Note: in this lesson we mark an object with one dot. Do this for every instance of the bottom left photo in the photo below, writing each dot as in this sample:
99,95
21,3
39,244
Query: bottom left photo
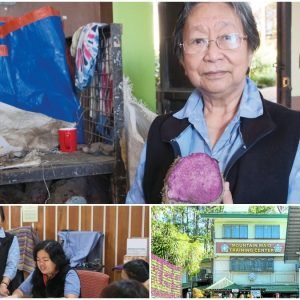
74,251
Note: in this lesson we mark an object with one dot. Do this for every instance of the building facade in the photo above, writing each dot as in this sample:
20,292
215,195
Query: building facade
249,251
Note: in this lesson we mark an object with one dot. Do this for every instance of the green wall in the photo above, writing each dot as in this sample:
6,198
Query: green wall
138,47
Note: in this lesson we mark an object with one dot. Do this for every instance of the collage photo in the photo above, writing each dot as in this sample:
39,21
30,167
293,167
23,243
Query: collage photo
149,149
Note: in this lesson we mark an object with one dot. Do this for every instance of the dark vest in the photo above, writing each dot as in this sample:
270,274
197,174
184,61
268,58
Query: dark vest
258,172
54,287
5,244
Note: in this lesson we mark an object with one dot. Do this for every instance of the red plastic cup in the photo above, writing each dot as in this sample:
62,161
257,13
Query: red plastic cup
67,138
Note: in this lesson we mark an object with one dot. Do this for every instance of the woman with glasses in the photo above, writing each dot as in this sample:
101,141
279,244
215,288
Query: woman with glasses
255,142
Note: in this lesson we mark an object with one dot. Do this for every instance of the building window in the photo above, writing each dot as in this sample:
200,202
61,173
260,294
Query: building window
233,231
251,264
267,231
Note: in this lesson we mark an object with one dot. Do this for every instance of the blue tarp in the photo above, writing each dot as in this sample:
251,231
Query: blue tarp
34,76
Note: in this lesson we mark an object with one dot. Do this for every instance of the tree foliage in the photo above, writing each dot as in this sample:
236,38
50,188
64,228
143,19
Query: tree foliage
262,209
165,242
181,236
176,247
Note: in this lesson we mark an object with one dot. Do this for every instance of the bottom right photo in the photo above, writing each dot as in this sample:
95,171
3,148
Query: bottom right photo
225,251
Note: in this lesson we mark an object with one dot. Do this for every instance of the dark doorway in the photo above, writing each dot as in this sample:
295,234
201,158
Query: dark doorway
174,86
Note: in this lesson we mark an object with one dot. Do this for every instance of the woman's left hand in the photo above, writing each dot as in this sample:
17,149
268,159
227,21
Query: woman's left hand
227,197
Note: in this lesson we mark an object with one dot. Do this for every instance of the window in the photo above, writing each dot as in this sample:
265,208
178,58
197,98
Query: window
231,231
251,264
267,231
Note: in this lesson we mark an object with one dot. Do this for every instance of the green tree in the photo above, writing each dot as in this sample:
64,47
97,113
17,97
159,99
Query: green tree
208,228
194,258
262,209
165,241
190,220
174,246
182,236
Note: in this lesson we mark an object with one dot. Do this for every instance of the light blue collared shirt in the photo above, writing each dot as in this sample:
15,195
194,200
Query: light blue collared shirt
13,257
194,139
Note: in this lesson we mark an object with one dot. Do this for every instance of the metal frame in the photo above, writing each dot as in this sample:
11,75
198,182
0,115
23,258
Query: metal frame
104,97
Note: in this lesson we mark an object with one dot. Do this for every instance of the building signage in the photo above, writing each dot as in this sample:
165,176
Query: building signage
255,293
250,247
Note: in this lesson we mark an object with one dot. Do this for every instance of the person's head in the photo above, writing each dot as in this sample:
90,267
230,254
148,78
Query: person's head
2,216
215,43
125,289
137,269
49,257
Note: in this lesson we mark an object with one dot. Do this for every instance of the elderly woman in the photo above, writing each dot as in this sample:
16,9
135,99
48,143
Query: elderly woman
52,277
256,142
9,257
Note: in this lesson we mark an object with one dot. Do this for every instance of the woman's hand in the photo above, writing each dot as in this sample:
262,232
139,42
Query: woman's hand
227,197
4,292
17,294
71,296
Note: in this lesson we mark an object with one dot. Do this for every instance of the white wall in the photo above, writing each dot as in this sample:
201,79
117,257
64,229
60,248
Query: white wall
251,224
283,273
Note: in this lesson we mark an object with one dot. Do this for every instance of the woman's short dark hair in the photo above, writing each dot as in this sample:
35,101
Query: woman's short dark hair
55,251
2,214
242,9
137,269
125,289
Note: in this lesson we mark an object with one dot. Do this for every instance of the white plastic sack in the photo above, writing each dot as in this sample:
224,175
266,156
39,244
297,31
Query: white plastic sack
24,130
138,119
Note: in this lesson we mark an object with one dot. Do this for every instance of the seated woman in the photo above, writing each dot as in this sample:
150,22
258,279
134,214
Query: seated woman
137,269
125,289
9,257
52,277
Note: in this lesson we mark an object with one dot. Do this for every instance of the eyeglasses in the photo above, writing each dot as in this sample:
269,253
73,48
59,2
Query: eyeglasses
225,42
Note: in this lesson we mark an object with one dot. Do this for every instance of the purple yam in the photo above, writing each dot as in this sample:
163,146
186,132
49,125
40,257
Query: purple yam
194,179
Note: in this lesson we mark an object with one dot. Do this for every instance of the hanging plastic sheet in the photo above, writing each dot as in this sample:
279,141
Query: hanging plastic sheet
82,247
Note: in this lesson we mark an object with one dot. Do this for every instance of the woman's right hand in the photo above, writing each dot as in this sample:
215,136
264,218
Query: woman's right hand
16,294
4,292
